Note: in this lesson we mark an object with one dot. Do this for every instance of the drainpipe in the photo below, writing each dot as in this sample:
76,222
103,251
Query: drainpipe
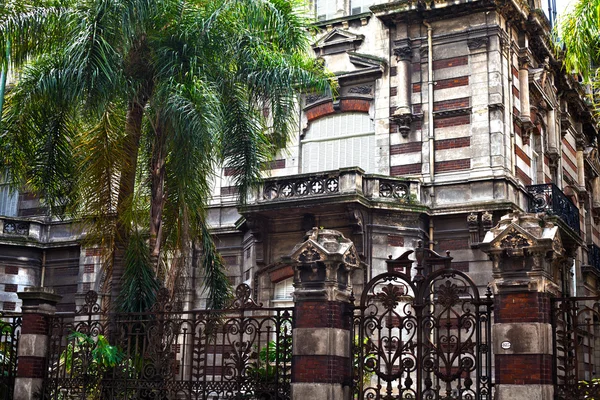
511,122
430,100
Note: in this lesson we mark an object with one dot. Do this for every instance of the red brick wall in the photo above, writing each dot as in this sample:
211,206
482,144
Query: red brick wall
346,105
321,314
452,244
407,169
444,122
522,155
523,369
451,83
395,240
35,323
404,148
522,307
522,176
450,62
281,274
453,165
321,369
31,367
453,143
416,87
451,104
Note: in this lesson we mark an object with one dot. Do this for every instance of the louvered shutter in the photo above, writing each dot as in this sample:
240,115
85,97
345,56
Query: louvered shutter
339,141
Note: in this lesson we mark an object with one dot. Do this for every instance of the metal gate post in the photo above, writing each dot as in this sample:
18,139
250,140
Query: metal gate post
39,304
527,252
323,324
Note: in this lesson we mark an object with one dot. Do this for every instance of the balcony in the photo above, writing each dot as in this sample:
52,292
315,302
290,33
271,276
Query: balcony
594,257
323,186
548,198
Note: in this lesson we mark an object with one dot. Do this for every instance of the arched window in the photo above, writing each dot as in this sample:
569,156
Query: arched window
339,141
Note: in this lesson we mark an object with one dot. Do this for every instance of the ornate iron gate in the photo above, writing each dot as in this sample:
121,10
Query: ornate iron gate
423,334
576,339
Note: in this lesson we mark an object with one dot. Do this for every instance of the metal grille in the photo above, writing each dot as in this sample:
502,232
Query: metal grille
427,337
550,199
10,331
243,351
576,350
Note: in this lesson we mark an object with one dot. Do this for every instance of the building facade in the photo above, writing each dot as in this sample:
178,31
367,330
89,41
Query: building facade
448,116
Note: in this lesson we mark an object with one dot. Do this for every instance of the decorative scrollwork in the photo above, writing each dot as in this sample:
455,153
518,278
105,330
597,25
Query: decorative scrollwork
396,190
433,330
171,354
314,186
16,228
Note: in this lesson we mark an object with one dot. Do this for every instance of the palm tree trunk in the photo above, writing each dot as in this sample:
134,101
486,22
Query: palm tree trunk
158,195
133,129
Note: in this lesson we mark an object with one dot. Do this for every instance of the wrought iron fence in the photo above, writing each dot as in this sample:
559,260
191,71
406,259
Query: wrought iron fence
594,256
550,199
242,352
10,331
576,347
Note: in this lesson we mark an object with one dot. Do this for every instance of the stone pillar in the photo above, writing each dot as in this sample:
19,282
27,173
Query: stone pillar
321,363
403,116
580,168
596,192
39,304
527,254
525,111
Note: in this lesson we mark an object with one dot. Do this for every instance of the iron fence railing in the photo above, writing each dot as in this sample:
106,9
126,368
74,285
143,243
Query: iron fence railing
576,335
242,352
594,256
550,199
10,331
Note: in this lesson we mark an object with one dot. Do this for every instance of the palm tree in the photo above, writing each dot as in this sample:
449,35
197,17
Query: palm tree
124,110
579,34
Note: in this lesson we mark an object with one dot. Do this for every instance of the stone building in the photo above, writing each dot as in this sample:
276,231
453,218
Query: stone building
449,115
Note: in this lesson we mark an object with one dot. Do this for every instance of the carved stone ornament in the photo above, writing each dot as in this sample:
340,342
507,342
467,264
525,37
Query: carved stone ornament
309,255
403,53
403,121
362,89
513,240
477,43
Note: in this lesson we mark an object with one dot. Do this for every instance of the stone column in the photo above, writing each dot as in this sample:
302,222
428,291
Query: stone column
580,167
403,115
321,363
39,304
527,253
525,111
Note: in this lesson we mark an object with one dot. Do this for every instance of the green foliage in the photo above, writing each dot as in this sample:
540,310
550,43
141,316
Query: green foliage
125,110
92,357
578,36
362,350
139,284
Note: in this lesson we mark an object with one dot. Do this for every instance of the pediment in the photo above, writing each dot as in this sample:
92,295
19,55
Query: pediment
366,60
337,41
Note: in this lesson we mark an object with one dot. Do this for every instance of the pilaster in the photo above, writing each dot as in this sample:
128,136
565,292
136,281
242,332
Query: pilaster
39,305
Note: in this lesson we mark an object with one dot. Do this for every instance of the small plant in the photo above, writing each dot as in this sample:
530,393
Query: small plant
92,358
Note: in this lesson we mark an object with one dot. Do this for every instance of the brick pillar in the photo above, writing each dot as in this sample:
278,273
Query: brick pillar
39,304
526,251
321,361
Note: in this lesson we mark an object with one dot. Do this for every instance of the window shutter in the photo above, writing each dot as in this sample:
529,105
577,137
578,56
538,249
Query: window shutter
339,141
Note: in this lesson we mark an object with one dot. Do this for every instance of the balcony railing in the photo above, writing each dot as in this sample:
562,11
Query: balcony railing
594,257
550,199
346,181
